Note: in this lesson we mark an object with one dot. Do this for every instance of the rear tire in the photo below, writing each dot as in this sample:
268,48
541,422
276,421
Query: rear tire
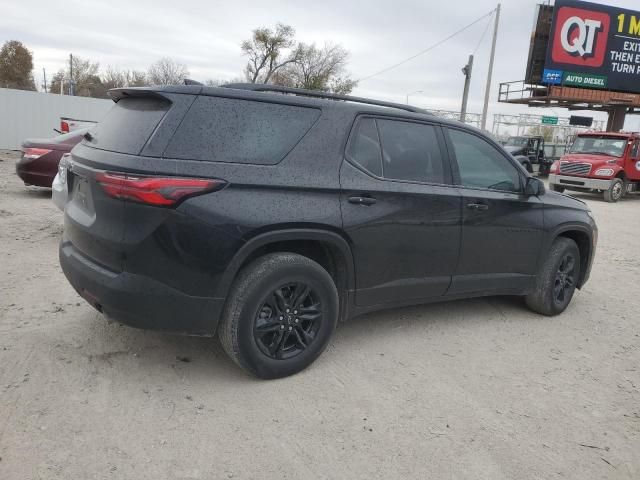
543,171
615,191
557,279
279,316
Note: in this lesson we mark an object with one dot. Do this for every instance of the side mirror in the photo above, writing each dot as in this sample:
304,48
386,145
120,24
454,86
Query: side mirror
534,186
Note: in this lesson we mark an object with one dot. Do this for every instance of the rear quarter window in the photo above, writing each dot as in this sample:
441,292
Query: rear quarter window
128,125
240,131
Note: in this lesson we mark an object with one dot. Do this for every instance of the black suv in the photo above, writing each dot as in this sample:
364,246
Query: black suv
267,214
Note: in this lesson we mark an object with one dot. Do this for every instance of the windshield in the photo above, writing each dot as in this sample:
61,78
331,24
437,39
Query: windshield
613,146
517,142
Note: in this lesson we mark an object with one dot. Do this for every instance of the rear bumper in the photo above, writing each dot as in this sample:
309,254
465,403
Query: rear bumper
579,183
31,175
138,301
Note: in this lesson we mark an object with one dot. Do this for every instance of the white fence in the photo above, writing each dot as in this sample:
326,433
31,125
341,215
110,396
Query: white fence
26,114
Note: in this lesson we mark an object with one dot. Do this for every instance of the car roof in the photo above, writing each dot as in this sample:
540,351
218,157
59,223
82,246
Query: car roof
279,95
301,97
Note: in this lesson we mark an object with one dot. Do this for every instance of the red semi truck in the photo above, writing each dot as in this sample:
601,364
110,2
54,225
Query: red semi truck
606,163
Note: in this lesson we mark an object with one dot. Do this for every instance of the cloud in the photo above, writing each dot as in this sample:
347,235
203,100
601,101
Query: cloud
206,36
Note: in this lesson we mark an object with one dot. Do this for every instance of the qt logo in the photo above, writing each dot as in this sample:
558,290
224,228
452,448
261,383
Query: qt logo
580,37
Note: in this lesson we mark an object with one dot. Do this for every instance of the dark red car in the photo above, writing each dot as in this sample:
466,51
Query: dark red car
38,164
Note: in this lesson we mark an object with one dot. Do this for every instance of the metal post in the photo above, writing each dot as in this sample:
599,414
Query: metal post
487,92
616,118
71,82
44,74
465,94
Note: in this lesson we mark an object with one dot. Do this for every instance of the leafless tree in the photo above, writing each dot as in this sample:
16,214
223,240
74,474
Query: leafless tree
116,78
217,82
318,69
268,52
86,77
167,71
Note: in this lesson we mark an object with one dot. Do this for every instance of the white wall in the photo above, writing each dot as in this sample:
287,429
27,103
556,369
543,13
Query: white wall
33,114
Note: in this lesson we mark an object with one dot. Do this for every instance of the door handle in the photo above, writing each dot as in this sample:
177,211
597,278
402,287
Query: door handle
478,206
366,201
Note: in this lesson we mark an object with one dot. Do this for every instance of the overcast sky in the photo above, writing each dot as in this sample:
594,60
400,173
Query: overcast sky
206,36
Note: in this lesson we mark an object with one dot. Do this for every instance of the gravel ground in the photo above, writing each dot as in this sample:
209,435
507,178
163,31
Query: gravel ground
478,389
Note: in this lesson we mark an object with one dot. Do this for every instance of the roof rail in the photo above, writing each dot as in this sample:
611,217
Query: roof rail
261,87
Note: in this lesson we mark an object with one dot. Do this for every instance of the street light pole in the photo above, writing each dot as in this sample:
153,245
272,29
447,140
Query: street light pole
487,92
465,94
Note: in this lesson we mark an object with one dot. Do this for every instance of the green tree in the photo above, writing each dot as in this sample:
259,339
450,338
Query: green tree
269,51
16,66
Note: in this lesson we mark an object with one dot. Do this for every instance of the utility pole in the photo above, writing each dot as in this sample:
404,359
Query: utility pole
487,92
44,74
465,94
71,82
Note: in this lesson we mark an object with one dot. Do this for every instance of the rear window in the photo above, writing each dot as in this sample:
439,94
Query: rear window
240,131
128,125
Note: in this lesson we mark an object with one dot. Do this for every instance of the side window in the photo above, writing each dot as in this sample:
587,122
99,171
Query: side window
364,147
218,129
635,152
481,165
410,151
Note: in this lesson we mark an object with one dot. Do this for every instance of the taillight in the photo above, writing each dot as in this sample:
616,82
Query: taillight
64,126
33,153
554,167
159,191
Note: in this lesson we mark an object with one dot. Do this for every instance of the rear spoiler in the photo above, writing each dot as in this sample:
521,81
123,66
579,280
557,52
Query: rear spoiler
118,94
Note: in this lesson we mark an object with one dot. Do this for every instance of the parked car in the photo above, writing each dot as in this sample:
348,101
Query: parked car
38,163
267,214
68,124
607,163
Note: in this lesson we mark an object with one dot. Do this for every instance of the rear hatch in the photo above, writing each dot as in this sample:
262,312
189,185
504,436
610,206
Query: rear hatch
95,220
154,149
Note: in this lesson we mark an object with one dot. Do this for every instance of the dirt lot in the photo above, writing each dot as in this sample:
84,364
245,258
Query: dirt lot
479,389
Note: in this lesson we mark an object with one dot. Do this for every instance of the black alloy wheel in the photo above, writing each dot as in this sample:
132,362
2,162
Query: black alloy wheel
280,314
557,280
288,321
564,284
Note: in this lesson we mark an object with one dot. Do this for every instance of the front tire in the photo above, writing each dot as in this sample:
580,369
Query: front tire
557,279
557,188
279,316
615,191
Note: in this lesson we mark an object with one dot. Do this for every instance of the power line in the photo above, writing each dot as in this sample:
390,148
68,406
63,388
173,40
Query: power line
486,29
427,49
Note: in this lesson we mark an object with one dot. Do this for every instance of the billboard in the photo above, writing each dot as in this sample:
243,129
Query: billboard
593,46
538,45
